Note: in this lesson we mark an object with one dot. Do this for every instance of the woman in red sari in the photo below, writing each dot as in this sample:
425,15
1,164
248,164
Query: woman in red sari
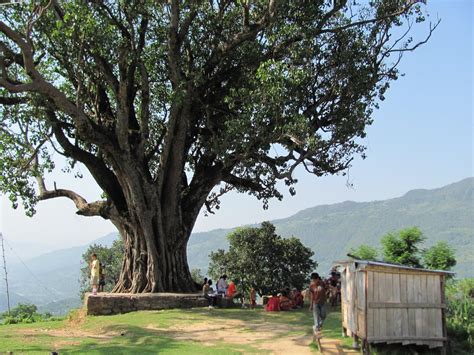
273,304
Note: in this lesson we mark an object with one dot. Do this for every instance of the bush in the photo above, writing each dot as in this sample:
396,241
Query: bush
25,313
459,321
460,313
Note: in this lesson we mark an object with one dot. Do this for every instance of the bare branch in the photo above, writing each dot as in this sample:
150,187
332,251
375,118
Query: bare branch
412,48
97,208
365,22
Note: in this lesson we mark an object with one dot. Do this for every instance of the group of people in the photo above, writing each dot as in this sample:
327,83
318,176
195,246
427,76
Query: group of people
285,300
333,285
317,293
224,289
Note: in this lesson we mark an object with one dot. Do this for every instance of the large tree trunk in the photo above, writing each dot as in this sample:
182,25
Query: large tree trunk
153,260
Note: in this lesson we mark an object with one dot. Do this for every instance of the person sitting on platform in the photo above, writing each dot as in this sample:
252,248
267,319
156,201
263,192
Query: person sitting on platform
232,293
209,294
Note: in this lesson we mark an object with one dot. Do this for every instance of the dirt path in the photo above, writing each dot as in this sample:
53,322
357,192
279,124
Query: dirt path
268,337
273,338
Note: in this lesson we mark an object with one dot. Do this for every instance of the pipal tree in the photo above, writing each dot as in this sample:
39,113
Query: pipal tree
171,104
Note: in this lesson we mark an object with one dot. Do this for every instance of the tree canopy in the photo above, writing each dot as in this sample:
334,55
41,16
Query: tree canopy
259,257
439,257
405,247
364,252
171,104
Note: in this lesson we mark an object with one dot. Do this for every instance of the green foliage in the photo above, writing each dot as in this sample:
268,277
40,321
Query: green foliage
197,276
258,256
141,336
111,261
364,252
439,257
460,312
24,313
295,74
403,247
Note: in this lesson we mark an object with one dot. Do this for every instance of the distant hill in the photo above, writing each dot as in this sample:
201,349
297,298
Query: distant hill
446,213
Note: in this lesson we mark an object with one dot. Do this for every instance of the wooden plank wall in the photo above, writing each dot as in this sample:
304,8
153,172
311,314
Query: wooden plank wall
349,301
359,303
404,307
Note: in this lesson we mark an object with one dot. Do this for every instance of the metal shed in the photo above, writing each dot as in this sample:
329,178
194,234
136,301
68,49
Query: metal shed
389,303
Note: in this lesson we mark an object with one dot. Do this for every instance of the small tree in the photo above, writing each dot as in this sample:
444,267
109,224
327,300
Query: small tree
257,256
111,261
364,252
403,247
439,257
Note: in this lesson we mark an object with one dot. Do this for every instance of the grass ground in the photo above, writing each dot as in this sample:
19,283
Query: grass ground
194,331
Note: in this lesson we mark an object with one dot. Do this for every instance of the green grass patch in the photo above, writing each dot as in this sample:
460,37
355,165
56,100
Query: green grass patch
151,332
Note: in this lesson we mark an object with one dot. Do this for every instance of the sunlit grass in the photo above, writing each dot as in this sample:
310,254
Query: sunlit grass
146,332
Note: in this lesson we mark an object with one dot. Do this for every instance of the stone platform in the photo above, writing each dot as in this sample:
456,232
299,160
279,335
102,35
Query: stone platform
115,303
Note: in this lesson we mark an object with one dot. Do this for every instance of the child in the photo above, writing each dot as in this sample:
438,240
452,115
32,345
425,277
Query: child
253,297
101,277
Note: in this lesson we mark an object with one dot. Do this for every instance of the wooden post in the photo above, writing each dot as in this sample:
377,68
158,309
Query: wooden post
6,274
355,341
443,314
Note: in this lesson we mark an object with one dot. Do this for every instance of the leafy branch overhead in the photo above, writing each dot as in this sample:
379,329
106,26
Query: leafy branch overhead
171,99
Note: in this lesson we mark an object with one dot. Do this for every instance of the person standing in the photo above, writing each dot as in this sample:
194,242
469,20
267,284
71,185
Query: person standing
318,300
253,297
95,270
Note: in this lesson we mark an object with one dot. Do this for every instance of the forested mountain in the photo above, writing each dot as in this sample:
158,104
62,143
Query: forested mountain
445,213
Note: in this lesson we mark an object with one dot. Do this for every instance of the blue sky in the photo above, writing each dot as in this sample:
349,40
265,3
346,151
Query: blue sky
422,137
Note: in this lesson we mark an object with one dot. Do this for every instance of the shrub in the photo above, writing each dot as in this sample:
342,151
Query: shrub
460,313
25,313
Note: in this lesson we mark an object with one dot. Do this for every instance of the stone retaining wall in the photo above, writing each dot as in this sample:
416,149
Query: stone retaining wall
115,303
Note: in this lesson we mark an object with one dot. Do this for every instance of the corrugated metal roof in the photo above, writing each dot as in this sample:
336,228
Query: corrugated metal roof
393,265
